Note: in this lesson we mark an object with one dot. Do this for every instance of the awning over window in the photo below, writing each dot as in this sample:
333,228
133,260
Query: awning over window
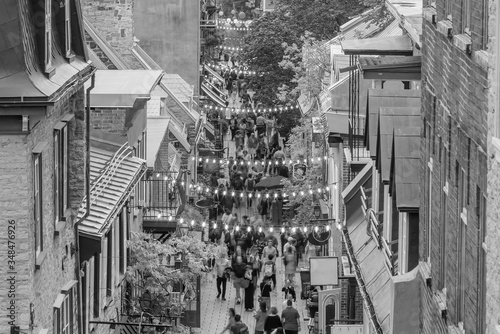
391,68
122,88
214,96
179,135
364,253
214,73
114,176
391,119
391,45
156,130
378,98
405,168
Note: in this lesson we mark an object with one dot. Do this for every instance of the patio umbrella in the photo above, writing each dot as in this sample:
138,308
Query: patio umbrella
274,182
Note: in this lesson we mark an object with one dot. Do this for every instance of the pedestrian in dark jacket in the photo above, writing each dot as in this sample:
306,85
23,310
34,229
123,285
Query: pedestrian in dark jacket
273,321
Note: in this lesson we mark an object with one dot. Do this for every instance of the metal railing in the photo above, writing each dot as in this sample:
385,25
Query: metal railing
163,195
108,172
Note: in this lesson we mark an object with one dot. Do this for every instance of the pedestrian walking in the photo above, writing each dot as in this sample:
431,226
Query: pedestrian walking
260,318
239,327
252,145
220,265
291,319
233,126
273,321
239,269
249,188
231,321
290,265
265,291
249,290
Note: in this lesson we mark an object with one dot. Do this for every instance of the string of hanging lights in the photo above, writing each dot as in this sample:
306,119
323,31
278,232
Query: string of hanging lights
259,110
245,70
305,227
264,162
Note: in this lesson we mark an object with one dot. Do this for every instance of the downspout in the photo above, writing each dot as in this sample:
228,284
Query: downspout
87,208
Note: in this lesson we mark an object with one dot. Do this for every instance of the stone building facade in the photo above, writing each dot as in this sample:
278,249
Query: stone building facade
114,22
453,178
43,171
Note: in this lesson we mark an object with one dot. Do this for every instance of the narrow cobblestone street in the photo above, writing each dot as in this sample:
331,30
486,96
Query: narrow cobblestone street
214,312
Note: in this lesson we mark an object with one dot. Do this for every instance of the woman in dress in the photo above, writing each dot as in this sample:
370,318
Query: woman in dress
290,266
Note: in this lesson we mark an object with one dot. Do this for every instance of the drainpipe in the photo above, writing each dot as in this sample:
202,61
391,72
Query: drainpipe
87,208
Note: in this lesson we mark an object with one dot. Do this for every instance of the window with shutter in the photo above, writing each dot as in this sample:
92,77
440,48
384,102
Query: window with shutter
37,197
48,36
63,308
67,28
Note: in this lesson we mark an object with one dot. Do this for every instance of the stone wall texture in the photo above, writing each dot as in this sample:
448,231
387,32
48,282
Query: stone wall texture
114,21
493,212
454,114
39,287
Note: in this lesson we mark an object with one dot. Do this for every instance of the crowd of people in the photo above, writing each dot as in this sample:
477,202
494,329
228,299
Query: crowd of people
249,264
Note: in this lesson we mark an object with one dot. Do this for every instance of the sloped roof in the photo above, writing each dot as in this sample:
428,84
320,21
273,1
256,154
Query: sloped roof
405,168
114,177
378,98
21,76
122,88
389,120
390,45
143,57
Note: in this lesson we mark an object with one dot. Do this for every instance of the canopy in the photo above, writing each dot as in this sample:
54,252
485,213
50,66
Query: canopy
274,182
391,68
391,45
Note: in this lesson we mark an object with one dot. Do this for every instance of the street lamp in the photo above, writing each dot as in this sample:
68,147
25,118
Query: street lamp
183,228
317,211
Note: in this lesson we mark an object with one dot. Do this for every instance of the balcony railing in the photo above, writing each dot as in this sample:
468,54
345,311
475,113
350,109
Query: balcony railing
162,196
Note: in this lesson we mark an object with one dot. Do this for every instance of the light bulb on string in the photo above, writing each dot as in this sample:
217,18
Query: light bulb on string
316,228
237,228
339,227
282,230
226,227
328,227
305,229
203,224
192,222
158,175
170,218
250,195
215,225
267,195
232,194
275,195
224,193
293,194
258,195
159,215
293,229
271,229
182,220
310,191
249,229
260,229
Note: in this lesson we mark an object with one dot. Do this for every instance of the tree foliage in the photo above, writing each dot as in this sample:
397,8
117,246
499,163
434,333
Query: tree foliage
149,271
299,147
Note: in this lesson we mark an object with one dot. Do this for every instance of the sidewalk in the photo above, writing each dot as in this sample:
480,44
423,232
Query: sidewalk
214,312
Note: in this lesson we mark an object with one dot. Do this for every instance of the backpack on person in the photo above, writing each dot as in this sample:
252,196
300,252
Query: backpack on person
268,269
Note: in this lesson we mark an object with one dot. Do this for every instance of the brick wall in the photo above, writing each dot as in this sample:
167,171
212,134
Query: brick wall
493,211
42,286
110,120
459,84
114,21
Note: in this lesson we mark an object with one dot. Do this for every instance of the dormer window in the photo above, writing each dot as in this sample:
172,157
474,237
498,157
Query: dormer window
67,28
48,37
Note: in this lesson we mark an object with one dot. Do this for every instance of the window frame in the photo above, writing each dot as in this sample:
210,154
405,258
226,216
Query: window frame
61,174
466,16
63,315
67,28
48,36
481,305
38,202
461,247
